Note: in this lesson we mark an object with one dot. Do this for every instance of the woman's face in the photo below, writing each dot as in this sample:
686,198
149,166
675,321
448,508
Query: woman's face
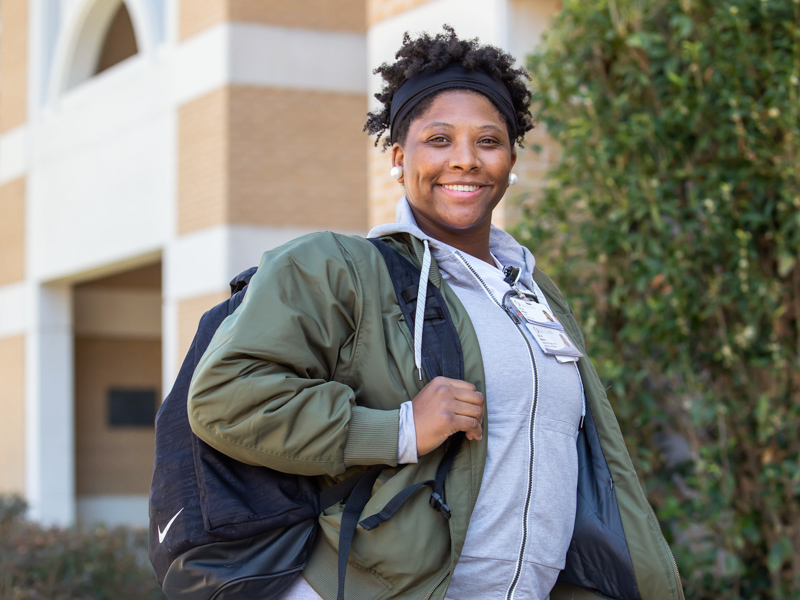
456,160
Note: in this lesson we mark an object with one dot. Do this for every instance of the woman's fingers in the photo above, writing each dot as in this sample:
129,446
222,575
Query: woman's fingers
473,398
455,383
443,407
471,407
469,425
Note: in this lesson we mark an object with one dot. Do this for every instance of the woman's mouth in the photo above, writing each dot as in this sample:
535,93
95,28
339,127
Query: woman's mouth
462,188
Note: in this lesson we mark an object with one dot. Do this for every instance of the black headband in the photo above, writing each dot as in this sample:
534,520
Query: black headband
415,89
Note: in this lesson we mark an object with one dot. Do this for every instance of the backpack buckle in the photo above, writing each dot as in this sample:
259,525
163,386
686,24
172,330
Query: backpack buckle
437,503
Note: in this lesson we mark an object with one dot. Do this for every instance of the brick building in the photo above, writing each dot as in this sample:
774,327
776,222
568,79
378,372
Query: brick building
149,150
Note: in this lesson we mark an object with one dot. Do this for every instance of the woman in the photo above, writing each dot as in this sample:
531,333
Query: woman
317,373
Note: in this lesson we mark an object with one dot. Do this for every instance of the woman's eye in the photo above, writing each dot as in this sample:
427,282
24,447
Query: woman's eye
438,139
489,141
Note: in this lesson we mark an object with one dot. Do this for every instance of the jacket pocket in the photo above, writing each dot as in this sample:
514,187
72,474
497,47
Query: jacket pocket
415,540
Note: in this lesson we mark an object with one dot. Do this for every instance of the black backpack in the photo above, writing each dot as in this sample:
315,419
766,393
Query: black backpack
224,530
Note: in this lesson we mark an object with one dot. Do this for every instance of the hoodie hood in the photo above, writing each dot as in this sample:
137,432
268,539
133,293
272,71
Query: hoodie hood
501,244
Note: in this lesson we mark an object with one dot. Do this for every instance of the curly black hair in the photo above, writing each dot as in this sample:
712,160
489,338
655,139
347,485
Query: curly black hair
437,52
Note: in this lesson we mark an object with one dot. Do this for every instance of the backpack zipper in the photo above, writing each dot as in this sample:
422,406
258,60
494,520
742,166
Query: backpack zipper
531,435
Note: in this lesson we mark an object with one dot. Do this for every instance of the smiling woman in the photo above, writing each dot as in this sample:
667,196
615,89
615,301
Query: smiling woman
456,160
316,374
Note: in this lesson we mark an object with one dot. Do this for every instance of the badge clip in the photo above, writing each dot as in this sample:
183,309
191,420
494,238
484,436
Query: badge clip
511,276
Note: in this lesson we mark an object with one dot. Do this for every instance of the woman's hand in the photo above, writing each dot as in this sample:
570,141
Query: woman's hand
442,408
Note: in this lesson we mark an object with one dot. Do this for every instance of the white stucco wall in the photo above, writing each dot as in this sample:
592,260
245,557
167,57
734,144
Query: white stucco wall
529,19
100,159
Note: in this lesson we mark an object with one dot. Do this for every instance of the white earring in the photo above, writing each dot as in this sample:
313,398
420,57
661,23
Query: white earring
512,179
396,172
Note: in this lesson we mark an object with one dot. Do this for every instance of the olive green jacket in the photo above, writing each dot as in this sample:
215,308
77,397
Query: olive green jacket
307,377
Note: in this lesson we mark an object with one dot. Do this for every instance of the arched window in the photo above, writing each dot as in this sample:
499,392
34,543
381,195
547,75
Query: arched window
105,38
119,42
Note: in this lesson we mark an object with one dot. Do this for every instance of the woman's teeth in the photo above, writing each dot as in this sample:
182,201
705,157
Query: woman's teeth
461,188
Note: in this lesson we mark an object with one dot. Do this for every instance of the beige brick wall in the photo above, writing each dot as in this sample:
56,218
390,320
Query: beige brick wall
202,161
379,10
297,158
12,405
13,63
189,312
384,192
196,15
531,168
263,156
112,460
12,231
327,15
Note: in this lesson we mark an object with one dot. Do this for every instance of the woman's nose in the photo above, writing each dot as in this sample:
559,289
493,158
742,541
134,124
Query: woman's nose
464,156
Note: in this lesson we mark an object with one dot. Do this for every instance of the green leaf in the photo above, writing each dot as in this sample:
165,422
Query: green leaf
779,554
786,263
676,79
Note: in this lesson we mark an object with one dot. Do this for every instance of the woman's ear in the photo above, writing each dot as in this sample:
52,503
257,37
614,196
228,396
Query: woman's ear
397,158
513,156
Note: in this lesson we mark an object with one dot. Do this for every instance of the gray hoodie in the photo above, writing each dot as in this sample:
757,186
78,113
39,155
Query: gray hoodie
522,524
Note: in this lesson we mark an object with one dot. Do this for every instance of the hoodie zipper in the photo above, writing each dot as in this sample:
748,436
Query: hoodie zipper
531,435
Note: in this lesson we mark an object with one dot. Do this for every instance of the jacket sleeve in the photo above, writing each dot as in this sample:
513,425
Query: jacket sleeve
268,389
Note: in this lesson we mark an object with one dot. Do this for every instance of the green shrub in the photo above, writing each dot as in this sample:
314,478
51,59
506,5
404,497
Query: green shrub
673,222
67,564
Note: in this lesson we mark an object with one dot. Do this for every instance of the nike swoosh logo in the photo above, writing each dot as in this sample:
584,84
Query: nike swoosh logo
163,534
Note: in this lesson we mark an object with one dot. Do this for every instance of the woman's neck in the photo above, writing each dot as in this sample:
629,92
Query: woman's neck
473,241
479,249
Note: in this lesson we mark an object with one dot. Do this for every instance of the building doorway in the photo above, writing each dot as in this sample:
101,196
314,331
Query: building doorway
117,322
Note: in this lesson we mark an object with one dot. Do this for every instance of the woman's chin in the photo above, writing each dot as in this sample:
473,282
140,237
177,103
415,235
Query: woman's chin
464,226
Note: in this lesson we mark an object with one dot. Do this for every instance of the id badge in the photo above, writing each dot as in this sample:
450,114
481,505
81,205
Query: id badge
536,313
567,359
554,342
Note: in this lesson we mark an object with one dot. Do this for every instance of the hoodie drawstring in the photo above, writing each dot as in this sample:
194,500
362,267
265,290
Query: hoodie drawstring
419,315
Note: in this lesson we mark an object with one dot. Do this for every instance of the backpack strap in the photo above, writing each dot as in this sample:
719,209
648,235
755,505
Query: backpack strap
441,349
240,282
437,485
352,513
441,355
